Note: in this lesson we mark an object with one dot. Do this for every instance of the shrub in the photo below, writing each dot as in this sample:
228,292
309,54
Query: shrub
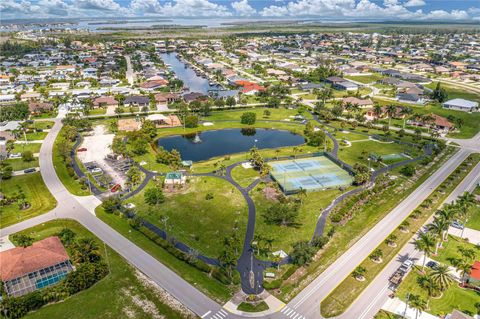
248,118
191,121
407,170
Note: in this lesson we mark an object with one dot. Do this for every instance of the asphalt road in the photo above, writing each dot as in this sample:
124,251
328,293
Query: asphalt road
376,294
129,74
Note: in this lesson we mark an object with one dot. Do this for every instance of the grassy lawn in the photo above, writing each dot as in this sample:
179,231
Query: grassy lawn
450,250
32,147
353,154
248,307
42,125
133,297
36,193
453,298
244,176
69,182
348,290
199,222
99,111
19,164
284,236
365,78
199,279
455,92
474,214
348,234
36,136
275,114
382,314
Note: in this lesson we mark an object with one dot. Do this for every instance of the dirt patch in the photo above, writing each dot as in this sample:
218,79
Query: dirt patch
164,296
270,193
146,305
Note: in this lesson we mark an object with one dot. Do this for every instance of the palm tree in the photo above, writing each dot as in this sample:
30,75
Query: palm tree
464,267
86,250
391,111
295,150
425,243
438,227
442,277
405,112
377,109
429,285
417,303
464,203
447,213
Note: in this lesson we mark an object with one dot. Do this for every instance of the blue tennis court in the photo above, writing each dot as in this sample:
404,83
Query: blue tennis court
311,174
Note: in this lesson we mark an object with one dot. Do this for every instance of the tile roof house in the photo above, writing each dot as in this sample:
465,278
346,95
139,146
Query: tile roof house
356,101
105,101
44,263
39,107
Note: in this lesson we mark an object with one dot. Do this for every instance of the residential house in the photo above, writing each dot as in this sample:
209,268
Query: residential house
362,103
461,105
105,101
35,107
473,278
26,269
137,100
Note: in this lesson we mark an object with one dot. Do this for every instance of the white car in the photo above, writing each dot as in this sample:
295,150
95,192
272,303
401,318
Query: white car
15,155
96,170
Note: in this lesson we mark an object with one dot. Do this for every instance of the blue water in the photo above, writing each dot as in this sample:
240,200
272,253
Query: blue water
228,141
191,80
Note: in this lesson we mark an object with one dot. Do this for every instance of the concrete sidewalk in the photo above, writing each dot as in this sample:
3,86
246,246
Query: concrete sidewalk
396,306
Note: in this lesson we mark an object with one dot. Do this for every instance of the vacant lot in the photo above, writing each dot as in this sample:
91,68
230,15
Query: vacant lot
36,194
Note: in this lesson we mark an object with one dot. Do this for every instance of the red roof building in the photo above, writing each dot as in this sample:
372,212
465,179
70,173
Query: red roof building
42,264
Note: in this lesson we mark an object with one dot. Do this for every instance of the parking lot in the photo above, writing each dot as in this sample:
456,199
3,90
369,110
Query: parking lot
94,152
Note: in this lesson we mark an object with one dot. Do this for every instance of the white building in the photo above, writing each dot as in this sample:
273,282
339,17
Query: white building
461,105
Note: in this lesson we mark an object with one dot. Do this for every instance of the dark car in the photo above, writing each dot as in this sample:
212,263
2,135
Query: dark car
30,170
457,224
431,264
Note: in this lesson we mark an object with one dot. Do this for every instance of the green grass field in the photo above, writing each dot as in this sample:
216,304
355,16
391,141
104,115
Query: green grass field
32,147
366,79
450,250
43,125
199,222
36,193
19,164
284,236
122,294
36,136
279,114
200,280
474,219
244,177
453,298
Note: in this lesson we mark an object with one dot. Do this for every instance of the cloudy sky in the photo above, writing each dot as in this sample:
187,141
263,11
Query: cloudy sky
445,10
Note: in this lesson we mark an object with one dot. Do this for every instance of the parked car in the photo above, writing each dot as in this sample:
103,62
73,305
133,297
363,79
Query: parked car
30,170
457,224
432,264
15,155
82,149
115,188
96,170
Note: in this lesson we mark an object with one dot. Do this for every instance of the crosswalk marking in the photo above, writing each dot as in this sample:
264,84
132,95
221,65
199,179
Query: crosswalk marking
291,313
220,314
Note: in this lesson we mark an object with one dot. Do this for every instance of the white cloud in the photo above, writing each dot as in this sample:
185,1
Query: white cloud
97,5
243,8
181,8
414,3
368,9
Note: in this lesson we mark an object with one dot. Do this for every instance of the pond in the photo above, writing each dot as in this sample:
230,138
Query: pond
185,73
208,144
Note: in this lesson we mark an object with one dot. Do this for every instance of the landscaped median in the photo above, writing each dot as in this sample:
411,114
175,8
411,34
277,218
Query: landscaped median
347,291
